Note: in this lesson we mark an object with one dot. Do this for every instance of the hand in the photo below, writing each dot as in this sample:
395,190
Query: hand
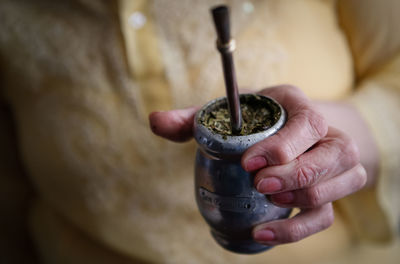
306,164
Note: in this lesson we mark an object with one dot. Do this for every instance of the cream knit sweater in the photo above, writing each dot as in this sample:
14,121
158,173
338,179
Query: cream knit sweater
81,76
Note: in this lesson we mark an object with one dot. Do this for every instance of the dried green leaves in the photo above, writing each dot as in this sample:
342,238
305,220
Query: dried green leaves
258,115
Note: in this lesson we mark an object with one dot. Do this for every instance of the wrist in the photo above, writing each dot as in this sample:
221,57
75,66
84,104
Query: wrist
346,117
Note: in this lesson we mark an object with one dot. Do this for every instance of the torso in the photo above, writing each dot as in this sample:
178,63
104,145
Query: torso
81,107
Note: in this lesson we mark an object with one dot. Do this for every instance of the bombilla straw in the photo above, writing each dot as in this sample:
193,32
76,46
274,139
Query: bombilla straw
226,45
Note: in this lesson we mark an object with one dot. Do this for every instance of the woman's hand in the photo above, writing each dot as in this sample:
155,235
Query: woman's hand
306,164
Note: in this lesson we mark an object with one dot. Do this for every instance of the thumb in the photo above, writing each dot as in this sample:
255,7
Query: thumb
175,125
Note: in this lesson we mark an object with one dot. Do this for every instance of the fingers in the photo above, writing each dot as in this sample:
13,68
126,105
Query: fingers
331,156
322,193
175,125
305,165
304,224
303,129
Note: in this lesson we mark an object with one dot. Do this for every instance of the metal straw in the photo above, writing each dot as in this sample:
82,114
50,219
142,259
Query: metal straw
226,45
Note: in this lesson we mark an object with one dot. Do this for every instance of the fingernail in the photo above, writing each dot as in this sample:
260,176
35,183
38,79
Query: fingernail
264,235
283,198
269,185
255,163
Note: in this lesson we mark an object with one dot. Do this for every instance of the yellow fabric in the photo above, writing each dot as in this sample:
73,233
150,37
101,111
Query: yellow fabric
372,32
375,41
379,101
60,242
110,190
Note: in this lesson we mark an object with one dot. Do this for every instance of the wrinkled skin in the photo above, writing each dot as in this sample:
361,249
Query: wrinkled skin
307,164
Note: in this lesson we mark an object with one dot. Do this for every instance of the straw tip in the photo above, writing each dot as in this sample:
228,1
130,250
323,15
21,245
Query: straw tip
220,10
220,16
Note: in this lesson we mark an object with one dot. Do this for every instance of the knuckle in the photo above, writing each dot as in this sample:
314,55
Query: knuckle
316,123
296,232
305,176
282,88
347,150
329,219
350,152
314,197
361,177
260,149
282,152
291,88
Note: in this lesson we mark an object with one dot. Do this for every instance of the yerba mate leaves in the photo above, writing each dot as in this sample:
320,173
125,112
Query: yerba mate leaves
255,119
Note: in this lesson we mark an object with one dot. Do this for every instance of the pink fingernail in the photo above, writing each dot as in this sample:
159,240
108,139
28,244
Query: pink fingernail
264,235
269,185
283,198
255,163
